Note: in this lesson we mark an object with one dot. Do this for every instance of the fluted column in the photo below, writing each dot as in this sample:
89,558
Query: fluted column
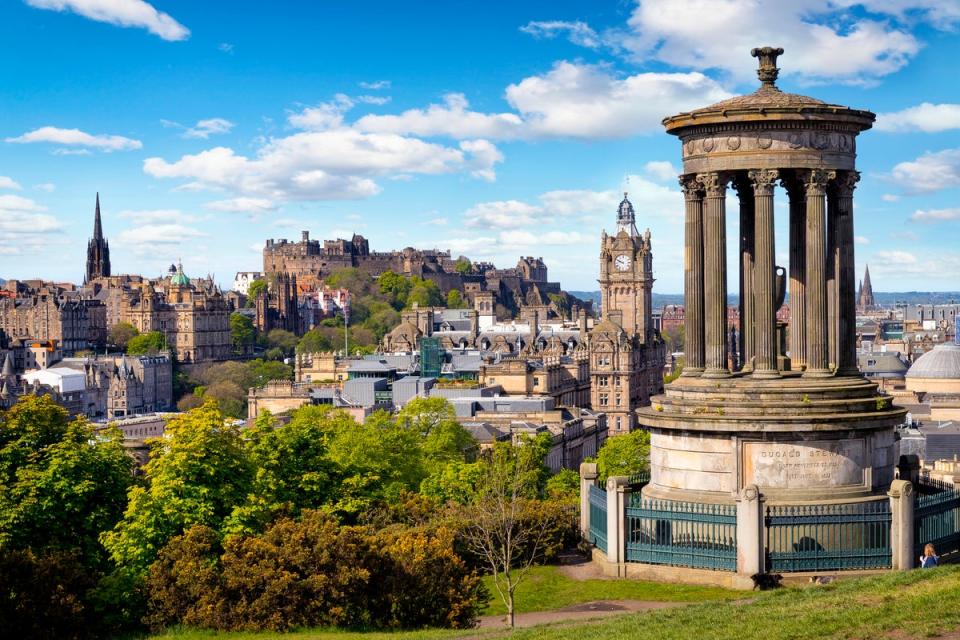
764,275
833,267
745,193
693,276
798,275
715,273
815,181
846,289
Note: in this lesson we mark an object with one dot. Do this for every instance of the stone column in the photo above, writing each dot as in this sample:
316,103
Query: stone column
833,267
693,277
847,277
750,534
902,501
765,276
588,477
815,181
798,276
616,522
745,193
715,276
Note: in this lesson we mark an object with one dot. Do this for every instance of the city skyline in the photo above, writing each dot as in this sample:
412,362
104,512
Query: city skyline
207,132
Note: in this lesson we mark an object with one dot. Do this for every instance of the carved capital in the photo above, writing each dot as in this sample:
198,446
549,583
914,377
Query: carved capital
692,190
846,182
816,180
763,180
714,184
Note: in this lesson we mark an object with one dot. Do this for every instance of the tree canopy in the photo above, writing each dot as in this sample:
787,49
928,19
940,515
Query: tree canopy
121,334
150,343
624,455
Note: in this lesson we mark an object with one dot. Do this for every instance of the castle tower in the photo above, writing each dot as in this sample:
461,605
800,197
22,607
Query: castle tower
98,250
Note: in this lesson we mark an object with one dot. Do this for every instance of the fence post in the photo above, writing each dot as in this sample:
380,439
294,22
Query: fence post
588,477
616,486
750,533
902,503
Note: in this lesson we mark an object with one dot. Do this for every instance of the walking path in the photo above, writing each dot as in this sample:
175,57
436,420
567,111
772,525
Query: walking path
578,612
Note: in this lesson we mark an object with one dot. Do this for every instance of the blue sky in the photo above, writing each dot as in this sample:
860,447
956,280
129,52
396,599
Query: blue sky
495,129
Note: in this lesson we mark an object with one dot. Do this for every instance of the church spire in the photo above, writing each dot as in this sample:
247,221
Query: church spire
98,250
865,300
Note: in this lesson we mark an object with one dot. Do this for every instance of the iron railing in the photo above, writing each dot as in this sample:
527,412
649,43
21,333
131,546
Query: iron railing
598,517
828,537
639,480
936,518
681,534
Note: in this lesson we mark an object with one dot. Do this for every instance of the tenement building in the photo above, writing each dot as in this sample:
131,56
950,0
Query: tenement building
35,310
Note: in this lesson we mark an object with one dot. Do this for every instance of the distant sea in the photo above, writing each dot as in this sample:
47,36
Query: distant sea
883,298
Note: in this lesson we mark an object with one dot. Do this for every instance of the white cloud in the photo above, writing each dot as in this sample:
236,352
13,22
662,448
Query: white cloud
76,137
935,215
72,152
587,101
375,86
577,32
152,237
890,197
930,172
123,13
49,187
452,118
206,128
661,170
822,39
326,115
24,225
9,183
225,47
242,205
525,238
926,117
900,264
904,235
503,214
157,216
377,100
440,222
861,240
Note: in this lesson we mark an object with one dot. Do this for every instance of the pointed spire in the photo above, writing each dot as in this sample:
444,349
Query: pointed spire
97,226
866,278
8,371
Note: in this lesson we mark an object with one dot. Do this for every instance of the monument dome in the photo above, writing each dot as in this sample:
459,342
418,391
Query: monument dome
942,363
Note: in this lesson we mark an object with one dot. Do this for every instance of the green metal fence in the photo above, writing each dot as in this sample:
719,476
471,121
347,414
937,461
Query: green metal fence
936,517
639,480
828,537
598,517
681,534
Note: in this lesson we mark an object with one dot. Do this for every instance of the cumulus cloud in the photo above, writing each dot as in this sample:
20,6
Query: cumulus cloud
123,13
157,216
900,264
206,128
890,197
930,172
453,118
375,86
242,205
925,117
9,184
150,238
589,101
24,225
326,115
77,138
49,187
861,240
822,39
577,32
935,215
661,170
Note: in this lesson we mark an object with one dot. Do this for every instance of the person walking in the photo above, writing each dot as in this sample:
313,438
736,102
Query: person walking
929,558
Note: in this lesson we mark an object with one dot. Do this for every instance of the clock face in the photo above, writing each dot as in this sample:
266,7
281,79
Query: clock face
622,262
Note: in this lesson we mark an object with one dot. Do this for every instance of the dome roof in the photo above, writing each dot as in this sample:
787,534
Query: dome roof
179,279
943,362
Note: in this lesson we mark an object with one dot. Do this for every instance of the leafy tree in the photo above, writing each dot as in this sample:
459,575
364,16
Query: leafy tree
675,338
197,474
444,438
395,287
263,371
282,339
505,526
424,293
453,482
256,288
455,300
314,341
61,483
121,334
624,455
150,343
463,266
677,371
564,486
242,331
354,280
561,302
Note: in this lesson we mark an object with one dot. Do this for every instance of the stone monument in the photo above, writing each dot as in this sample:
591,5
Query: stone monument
803,426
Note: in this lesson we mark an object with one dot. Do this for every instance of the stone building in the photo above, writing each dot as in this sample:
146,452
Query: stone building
39,311
626,353
865,300
98,251
278,306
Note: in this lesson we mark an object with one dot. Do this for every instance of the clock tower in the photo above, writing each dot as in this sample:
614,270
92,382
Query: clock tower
626,275
626,352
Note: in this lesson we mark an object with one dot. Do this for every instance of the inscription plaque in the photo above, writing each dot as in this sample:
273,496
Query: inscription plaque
802,465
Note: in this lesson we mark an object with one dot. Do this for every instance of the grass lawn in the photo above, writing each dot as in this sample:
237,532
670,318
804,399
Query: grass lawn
915,604
545,588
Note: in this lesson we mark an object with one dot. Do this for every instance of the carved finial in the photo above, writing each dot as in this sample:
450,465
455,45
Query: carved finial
768,70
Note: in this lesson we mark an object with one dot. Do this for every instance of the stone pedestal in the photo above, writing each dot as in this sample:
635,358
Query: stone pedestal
902,503
750,542
588,477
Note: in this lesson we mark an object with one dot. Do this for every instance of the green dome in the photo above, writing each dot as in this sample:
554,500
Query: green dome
179,279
